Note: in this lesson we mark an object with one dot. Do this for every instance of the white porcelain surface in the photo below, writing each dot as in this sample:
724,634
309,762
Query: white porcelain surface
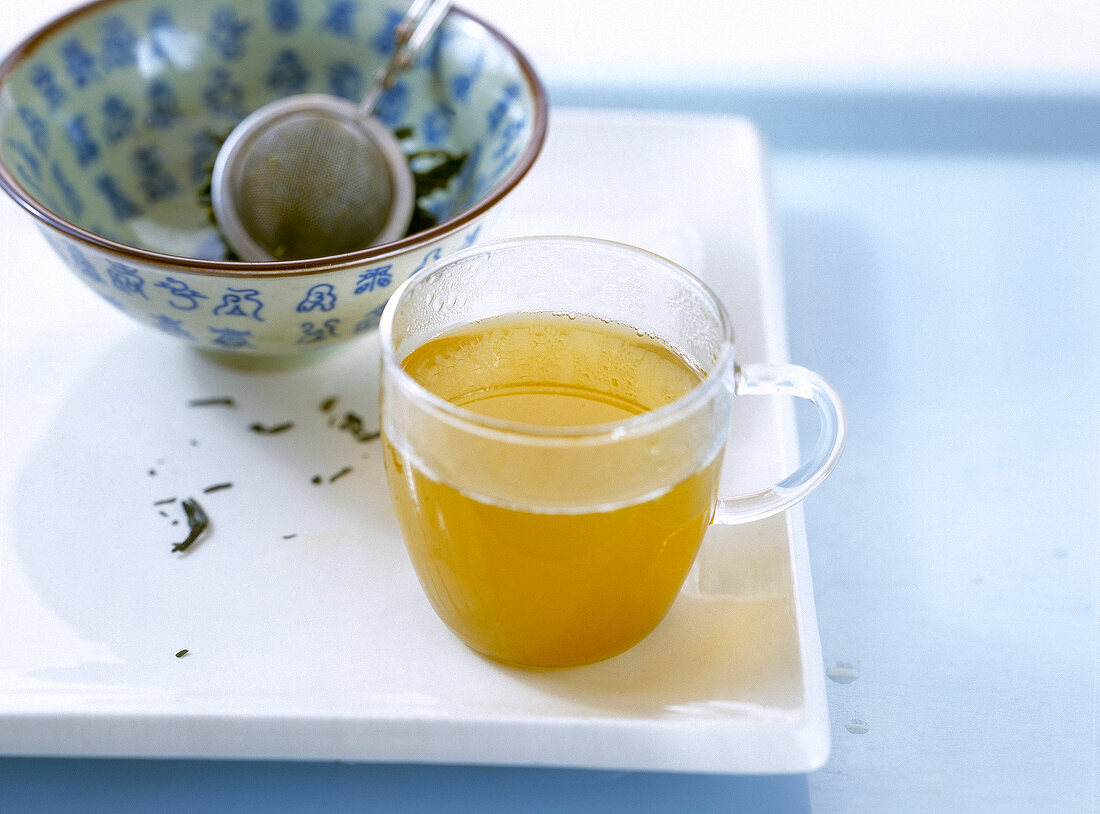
306,631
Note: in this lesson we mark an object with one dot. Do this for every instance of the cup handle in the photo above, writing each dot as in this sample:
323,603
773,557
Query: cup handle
792,380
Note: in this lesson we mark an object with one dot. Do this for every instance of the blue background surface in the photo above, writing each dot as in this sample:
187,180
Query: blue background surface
942,264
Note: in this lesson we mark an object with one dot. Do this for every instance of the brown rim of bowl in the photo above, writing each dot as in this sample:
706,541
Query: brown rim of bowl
280,268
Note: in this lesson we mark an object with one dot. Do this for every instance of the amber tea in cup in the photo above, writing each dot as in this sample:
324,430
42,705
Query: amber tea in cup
554,414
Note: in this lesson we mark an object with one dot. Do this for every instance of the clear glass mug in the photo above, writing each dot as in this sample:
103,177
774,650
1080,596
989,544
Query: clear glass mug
557,545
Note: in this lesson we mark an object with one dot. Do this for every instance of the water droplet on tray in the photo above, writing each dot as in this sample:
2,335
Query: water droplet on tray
842,672
857,727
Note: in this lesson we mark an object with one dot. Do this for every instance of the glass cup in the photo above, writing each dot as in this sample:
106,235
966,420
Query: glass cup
543,540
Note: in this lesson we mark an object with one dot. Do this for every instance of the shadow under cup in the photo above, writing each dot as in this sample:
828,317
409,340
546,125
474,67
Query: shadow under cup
545,545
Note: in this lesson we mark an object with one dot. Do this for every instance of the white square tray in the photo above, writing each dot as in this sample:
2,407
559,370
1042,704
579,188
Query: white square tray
307,634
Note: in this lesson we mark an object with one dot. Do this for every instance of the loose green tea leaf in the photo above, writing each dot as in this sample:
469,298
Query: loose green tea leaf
271,430
434,170
217,487
197,523
182,653
223,401
353,424
345,471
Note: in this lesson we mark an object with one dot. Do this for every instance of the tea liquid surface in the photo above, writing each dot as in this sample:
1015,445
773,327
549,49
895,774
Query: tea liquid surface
551,370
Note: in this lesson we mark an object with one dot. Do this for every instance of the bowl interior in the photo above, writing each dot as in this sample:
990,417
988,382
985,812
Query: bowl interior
111,117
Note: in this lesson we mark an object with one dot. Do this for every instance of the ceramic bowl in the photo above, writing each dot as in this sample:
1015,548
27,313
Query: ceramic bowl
111,116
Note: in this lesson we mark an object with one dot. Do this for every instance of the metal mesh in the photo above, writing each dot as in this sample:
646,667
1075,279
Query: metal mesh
311,186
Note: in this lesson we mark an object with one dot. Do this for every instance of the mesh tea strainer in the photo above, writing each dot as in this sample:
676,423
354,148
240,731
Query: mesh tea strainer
316,175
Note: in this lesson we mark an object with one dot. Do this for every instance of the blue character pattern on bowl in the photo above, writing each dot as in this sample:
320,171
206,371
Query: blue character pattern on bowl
110,119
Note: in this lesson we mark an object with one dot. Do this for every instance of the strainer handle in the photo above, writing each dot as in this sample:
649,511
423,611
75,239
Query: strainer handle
420,23
410,36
